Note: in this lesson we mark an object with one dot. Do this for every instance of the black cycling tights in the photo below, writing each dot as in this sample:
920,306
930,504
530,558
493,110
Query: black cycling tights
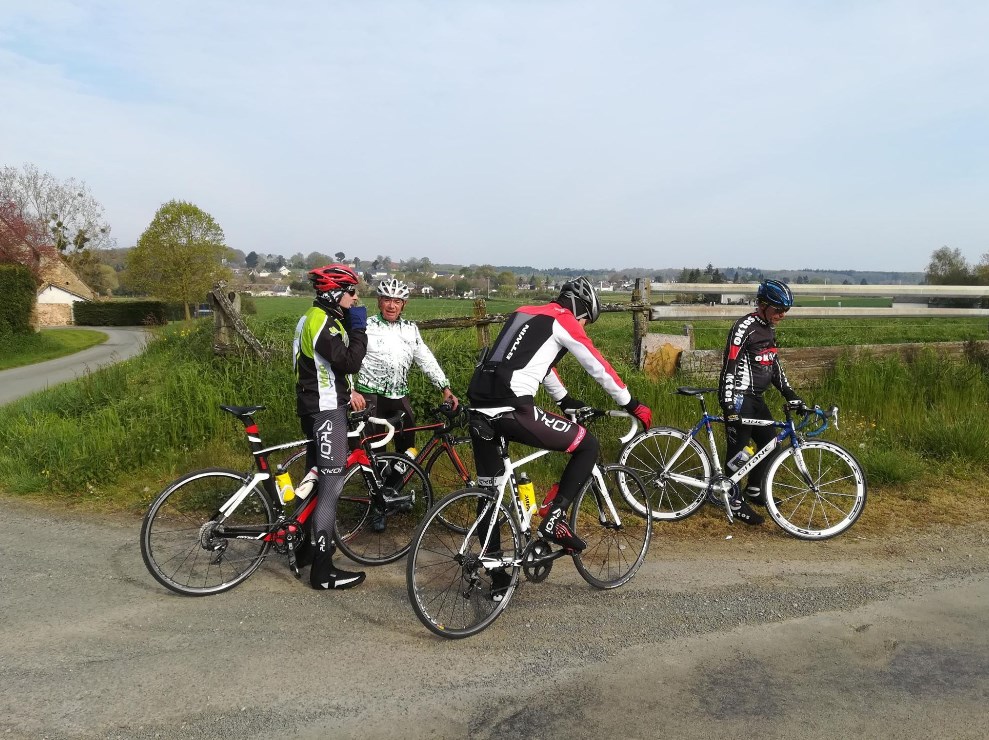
328,452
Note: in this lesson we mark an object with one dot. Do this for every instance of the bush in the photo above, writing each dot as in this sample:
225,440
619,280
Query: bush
121,313
19,293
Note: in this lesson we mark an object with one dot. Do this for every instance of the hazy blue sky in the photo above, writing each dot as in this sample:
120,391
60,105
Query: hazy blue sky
584,133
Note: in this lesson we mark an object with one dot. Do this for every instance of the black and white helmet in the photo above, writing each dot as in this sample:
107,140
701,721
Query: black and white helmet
393,288
579,296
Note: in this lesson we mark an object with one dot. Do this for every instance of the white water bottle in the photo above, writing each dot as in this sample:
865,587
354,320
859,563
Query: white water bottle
307,483
744,455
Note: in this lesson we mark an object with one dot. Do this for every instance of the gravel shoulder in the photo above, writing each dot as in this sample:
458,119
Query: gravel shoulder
758,635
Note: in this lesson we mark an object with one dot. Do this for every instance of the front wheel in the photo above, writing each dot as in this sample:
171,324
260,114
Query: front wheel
185,546
617,532
665,459
456,589
820,498
374,529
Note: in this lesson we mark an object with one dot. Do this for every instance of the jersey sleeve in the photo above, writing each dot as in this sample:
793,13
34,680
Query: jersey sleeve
780,380
344,356
554,385
426,361
574,339
729,372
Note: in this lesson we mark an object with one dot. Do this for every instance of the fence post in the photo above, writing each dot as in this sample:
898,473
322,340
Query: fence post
483,334
640,318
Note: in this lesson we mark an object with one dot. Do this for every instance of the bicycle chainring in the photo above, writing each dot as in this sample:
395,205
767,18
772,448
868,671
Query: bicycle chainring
714,490
288,530
536,570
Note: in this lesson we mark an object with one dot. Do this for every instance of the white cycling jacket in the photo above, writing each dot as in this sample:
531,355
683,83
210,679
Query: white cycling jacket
392,347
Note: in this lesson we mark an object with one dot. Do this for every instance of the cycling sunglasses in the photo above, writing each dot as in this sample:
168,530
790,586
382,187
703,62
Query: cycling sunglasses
351,290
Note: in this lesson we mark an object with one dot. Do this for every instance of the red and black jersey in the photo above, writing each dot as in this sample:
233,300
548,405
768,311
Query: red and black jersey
532,342
751,363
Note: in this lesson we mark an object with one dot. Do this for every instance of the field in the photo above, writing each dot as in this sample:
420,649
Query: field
918,427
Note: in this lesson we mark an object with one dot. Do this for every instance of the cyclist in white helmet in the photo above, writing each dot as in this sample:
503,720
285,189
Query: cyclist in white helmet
394,344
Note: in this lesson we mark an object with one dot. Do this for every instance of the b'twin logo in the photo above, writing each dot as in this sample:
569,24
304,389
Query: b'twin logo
515,344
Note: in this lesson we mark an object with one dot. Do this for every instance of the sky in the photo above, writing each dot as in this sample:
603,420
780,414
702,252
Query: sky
825,134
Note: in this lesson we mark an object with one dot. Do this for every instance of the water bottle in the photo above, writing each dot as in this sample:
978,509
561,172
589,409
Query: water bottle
744,455
307,483
527,493
284,484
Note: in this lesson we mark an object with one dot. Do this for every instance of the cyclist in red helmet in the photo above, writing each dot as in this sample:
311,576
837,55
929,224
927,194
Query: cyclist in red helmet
750,365
330,342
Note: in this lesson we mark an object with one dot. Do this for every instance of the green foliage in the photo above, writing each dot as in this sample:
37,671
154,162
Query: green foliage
19,293
121,313
178,257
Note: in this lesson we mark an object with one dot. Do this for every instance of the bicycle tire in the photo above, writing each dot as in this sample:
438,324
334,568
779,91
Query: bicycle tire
355,533
615,550
179,548
647,455
444,478
450,591
820,514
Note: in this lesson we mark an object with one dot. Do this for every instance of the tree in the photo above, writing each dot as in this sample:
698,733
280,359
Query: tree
340,256
317,259
251,260
178,257
88,267
64,209
982,270
22,242
948,267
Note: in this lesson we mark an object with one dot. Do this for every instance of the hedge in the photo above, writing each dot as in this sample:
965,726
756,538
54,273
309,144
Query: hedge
120,313
19,291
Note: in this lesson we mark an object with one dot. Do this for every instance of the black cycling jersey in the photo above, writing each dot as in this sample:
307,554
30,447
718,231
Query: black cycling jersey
751,363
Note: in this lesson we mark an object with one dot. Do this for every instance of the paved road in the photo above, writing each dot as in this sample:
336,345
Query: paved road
124,342
757,636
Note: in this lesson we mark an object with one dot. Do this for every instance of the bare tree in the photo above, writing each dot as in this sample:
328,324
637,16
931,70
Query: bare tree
66,210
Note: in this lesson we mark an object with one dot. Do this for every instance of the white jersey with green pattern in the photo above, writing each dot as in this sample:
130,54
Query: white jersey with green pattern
392,347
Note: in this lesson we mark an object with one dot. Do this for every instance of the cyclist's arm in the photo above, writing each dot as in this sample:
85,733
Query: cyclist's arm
780,381
733,356
571,335
345,357
426,361
554,386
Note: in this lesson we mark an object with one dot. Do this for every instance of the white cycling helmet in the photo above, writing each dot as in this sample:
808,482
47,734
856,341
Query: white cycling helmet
393,288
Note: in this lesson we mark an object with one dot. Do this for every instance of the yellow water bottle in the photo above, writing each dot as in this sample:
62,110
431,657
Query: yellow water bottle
285,490
527,493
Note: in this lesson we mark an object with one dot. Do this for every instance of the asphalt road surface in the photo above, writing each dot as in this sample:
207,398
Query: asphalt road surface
759,636
123,342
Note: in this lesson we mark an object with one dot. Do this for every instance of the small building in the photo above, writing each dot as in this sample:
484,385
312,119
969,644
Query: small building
59,291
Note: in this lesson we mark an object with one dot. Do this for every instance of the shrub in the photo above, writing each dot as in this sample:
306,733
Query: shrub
121,313
19,293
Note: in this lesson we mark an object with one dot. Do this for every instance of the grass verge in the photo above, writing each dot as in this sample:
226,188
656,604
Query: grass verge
47,344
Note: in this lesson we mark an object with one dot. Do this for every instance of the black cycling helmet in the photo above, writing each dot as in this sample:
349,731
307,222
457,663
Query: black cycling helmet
776,294
579,296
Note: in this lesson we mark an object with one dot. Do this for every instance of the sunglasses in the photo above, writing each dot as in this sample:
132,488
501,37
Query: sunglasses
779,310
352,290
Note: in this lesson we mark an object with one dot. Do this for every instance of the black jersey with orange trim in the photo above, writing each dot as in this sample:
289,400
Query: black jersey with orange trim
525,354
751,362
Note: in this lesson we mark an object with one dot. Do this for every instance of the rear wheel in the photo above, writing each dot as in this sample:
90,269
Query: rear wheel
651,455
454,586
616,532
815,491
185,546
376,529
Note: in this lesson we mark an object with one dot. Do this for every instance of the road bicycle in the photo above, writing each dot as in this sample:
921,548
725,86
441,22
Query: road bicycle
814,489
209,530
447,458
474,533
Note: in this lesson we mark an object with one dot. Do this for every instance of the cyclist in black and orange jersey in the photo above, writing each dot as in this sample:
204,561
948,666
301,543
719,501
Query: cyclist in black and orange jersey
330,342
750,365
533,340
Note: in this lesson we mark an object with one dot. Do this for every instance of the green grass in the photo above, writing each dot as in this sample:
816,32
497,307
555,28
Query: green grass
118,435
47,344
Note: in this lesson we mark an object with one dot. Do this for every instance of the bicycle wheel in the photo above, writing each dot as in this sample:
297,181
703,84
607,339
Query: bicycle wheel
825,507
649,454
444,475
407,497
449,586
187,551
615,547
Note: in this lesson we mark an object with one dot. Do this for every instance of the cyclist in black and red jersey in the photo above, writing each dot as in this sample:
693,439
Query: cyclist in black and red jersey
330,342
750,365
533,340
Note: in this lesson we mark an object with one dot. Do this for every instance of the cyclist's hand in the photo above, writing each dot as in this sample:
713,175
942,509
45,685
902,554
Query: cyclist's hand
568,404
357,401
450,399
640,411
798,405
355,318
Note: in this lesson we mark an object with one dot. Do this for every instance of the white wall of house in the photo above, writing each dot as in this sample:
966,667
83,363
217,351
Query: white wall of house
52,294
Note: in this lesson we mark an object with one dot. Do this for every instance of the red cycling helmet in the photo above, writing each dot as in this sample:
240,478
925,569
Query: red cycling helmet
332,277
